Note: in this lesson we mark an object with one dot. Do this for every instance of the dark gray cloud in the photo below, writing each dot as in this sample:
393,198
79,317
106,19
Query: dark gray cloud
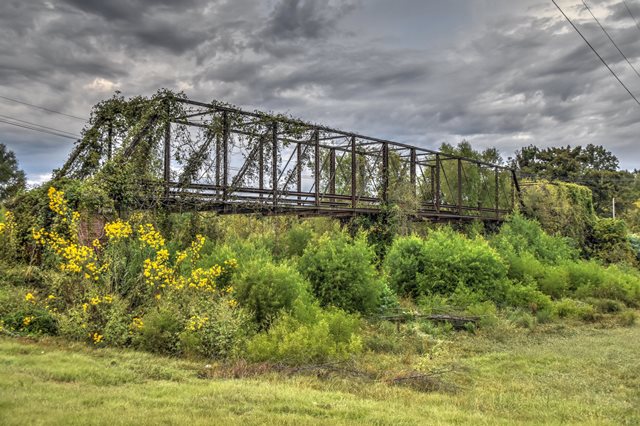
419,72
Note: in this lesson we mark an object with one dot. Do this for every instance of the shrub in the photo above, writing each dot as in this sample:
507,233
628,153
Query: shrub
160,332
405,260
584,274
342,273
554,281
562,208
104,320
614,282
609,242
627,318
452,260
571,308
31,320
528,297
314,336
523,319
265,289
296,240
519,236
486,311
522,266
222,335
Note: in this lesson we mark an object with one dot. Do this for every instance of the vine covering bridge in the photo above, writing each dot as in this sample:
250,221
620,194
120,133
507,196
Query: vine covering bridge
210,156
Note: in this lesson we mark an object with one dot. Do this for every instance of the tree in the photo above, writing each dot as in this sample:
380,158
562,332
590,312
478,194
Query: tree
592,166
12,179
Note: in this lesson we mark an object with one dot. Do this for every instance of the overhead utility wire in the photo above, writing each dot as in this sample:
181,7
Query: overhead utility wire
596,52
38,125
43,108
631,14
610,39
24,126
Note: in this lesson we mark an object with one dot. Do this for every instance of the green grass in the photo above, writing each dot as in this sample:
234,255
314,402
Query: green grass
579,375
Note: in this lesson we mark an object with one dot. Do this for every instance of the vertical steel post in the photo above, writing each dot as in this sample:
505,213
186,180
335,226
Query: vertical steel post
261,164
274,162
299,171
385,172
218,161
354,166
225,154
316,166
412,171
437,189
432,182
497,193
332,172
459,186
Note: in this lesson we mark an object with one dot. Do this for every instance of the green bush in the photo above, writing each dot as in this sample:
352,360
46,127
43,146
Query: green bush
452,260
312,336
342,273
160,332
609,242
561,208
584,274
221,336
627,318
571,308
31,320
406,259
528,297
519,236
523,319
554,281
296,240
265,289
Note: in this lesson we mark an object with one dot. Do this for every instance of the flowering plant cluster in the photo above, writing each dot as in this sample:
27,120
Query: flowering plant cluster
9,225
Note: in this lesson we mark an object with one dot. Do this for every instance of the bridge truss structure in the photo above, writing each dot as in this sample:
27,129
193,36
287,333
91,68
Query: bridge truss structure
220,158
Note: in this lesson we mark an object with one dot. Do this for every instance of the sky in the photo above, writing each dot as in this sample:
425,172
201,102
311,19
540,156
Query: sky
499,73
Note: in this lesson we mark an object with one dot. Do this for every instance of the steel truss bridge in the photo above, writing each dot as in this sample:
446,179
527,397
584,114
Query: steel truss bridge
224,159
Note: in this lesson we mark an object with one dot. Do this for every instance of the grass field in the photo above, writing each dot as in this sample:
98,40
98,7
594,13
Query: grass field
568,375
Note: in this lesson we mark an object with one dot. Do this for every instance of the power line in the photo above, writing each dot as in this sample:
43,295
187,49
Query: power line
610,39
596,52
38,125
24,126
631,14
43,108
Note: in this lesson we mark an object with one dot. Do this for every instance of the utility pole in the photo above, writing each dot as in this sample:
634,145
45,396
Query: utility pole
613,207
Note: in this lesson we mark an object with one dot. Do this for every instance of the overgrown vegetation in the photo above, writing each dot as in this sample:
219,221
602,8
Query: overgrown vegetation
81,260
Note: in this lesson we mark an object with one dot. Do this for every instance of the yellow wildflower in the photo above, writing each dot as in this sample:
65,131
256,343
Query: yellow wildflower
137,323
97,338
118,230
196,322
30,298
150,236
27,320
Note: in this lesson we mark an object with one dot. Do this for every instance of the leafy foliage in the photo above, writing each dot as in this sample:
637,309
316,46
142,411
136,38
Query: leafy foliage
265,289
308,335
453,261
342,273
12,179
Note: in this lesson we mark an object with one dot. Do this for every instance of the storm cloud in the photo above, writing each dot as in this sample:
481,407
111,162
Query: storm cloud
498,73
